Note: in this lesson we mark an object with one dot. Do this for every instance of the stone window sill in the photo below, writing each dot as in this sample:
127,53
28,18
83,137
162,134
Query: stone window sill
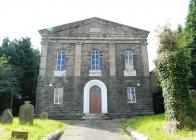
95,73
131,102
129,72
57,103
59,73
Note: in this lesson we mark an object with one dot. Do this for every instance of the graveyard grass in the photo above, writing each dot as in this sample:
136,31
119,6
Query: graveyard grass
39,129
151,126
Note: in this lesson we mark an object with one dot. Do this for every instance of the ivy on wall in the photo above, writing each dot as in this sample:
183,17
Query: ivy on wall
174,71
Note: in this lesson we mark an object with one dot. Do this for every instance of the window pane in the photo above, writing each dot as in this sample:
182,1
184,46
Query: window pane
94,60
60,63
131,59
128,97
55,97
63,57
59,56
60,97
131,96
128,60
93,56
96,56
93,67
62,67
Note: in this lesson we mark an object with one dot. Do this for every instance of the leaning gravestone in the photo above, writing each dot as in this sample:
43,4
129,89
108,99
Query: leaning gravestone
26,113
44,115
7,116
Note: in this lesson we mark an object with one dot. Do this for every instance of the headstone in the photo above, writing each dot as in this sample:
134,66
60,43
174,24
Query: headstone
26,113
20,135
7,116
44,115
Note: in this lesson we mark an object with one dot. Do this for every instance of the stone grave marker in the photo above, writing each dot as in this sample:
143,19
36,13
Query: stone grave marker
26,113
7,116
20,135
44,115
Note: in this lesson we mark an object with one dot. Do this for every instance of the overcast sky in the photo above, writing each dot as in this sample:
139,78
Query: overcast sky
20,18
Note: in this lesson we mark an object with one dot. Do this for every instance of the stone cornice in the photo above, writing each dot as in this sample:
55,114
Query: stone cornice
142,42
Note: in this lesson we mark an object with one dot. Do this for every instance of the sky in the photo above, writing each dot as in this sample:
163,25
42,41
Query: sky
23,18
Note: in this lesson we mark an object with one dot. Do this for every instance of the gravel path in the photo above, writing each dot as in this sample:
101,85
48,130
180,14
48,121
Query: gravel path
94,130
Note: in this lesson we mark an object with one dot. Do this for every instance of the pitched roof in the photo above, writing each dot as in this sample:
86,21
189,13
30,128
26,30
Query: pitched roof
76,24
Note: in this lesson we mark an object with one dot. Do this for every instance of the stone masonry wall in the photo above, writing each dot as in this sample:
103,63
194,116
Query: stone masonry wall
73,86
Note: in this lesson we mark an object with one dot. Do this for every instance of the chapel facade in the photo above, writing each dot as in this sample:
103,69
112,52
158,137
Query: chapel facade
93,66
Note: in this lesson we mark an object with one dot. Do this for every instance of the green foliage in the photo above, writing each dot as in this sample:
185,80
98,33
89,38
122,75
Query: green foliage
168,40
7,83
173,67
190,36
24,63
181,41
190,25
151,126
174,71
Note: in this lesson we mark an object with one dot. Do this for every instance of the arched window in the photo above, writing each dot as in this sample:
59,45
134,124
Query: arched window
95,60
60,62
128,60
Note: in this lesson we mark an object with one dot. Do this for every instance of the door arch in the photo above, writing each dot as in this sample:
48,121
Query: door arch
86,101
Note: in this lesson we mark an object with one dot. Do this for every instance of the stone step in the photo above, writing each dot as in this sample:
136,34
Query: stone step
96,116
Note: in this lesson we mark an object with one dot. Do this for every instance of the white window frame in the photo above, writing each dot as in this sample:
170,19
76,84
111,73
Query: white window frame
96,59
58,94
61,66
131,94
128,57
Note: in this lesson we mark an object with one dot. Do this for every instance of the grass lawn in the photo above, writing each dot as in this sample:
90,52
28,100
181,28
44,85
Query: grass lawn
151,126
39,128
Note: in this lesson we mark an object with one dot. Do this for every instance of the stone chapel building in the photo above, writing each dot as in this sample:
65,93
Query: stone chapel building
93,66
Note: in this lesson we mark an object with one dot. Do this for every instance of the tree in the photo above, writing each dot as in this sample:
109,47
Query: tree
190,36
25,62
190,25
173,67
8,83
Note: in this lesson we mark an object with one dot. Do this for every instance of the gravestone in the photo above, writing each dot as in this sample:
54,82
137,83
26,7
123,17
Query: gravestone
7,116
44,115
20,135
26,113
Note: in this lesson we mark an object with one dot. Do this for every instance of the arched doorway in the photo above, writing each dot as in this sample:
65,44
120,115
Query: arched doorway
95,99
99,89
